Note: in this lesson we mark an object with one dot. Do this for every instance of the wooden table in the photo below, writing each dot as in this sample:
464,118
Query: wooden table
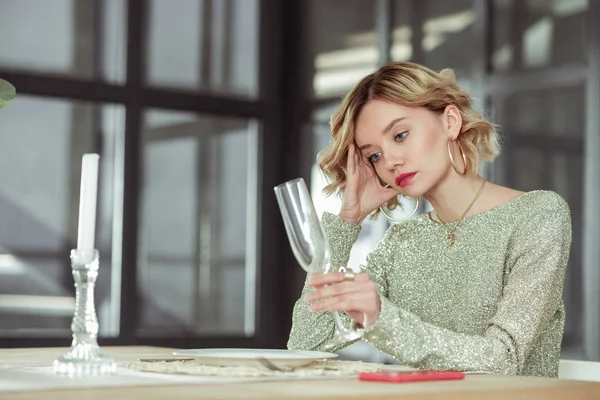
489,387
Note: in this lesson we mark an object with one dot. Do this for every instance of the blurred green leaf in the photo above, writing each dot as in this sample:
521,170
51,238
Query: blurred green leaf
7,92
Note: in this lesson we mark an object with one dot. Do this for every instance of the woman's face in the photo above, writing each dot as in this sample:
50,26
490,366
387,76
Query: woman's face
407,146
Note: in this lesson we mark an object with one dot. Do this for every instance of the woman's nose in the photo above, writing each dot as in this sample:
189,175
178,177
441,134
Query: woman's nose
393,160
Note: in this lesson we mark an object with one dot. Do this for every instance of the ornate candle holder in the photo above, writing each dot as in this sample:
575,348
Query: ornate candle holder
84,358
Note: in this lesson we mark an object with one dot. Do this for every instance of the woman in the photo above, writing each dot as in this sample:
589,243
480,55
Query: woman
476,284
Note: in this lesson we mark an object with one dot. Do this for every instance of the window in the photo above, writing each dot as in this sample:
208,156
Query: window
40,167
198,247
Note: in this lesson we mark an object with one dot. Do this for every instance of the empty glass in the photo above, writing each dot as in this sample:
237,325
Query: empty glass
308,241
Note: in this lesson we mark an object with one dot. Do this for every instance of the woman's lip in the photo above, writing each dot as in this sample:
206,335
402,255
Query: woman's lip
403,180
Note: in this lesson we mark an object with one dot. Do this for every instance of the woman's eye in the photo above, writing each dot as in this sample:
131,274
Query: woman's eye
375,157
401,136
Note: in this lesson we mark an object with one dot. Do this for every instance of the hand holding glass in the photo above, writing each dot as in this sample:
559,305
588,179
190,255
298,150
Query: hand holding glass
308,241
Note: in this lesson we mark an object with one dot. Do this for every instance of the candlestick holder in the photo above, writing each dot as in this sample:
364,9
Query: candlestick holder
84,358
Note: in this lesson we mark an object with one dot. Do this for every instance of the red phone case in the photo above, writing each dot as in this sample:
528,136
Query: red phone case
410,376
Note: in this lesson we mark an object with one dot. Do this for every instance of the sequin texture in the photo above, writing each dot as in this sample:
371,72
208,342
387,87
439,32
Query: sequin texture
491,302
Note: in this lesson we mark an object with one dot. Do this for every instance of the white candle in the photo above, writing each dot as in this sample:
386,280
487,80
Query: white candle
87,202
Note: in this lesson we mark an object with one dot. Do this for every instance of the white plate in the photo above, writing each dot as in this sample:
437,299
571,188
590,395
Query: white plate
236,357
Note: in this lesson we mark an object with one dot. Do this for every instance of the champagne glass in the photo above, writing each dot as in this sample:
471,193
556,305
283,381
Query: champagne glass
309,243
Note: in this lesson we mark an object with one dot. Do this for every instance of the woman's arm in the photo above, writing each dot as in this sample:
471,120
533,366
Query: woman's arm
531,298
312,330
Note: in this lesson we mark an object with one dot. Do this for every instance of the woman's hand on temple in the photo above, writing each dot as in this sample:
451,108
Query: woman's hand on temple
363,193
358,298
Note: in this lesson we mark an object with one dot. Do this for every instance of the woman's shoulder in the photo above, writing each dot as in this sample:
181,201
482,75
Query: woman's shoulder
509,203
541,215
543,202
543,226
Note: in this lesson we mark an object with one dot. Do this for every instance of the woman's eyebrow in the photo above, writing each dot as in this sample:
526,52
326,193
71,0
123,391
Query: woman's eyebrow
384,131
391,125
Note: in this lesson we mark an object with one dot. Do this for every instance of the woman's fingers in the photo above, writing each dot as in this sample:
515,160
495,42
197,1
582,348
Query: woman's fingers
364,165
388,193
351,162
357,158
363,301
358,162
335,290
333,277
358,298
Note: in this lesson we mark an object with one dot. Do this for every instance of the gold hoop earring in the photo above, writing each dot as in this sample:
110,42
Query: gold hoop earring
462,153
389,217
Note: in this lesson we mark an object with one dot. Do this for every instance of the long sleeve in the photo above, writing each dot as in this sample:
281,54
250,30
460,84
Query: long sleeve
313,330
531,303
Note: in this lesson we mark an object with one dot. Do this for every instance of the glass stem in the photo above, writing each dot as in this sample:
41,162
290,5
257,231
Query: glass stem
338,322
343,334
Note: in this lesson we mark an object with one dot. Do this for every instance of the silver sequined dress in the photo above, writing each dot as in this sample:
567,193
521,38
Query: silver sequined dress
491,302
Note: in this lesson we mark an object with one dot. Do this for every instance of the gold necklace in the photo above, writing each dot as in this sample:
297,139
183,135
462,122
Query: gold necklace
450,238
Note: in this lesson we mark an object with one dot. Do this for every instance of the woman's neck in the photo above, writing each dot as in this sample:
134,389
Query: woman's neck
453,195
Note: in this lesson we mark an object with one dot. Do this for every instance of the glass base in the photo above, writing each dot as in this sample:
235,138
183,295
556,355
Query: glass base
343,335
85,360
342,338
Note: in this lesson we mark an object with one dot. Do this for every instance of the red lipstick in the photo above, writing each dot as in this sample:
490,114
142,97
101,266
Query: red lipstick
403,180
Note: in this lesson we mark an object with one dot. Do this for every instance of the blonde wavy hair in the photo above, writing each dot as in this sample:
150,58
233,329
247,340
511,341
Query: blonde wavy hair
410,85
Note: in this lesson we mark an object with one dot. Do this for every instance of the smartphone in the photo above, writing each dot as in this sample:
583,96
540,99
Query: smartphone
410,376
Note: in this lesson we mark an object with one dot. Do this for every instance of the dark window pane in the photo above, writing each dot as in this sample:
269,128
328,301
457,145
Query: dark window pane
209,45
448,35
82,39
449,38
538,33
199,225
558,112
402,34
342,46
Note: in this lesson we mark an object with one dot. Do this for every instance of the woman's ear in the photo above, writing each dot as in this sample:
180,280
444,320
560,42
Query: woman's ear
452,121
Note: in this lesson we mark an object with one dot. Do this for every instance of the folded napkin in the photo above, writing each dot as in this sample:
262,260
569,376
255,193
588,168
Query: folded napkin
315,369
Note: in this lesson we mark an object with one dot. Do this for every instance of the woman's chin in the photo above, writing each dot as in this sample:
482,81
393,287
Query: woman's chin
416,189
412,192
